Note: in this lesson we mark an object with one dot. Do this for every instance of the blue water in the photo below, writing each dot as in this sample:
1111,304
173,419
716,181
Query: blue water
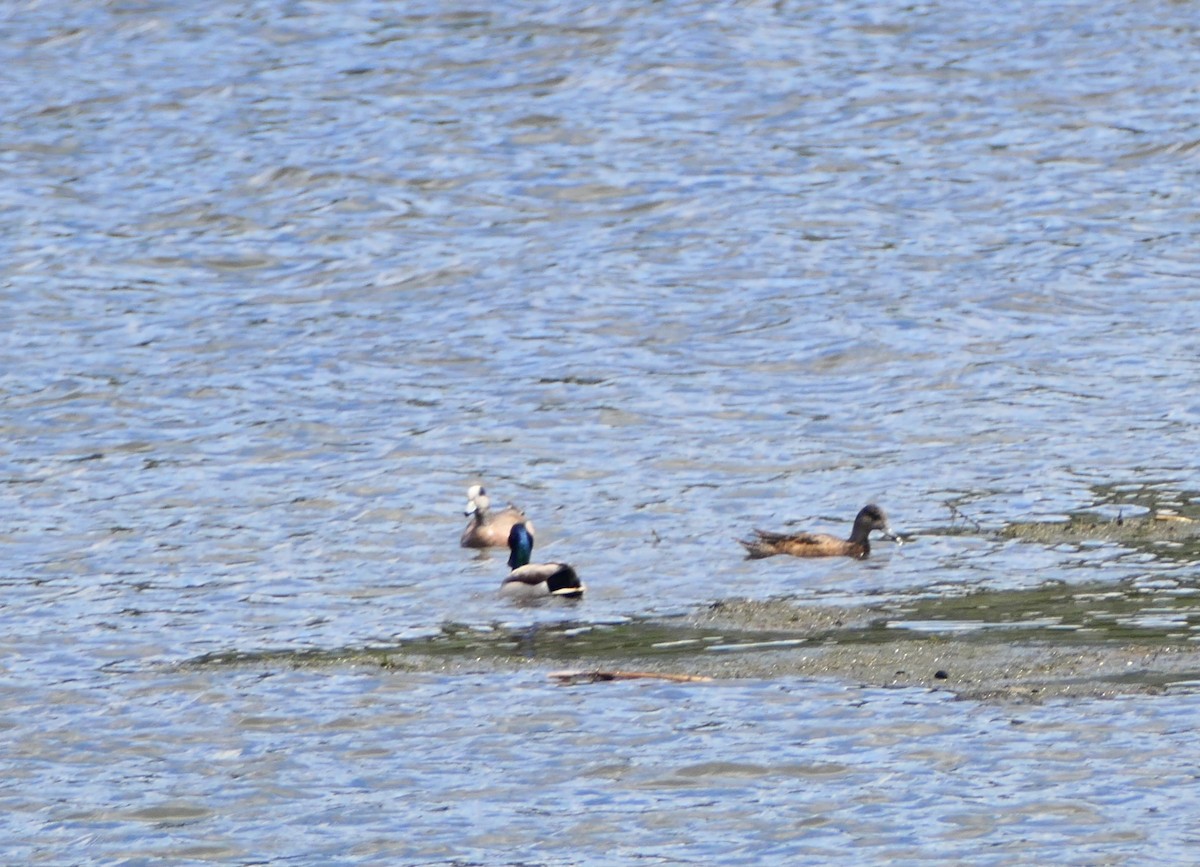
297,767
281,280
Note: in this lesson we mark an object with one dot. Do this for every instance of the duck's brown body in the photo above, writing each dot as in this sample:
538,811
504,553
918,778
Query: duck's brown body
768,544
488,529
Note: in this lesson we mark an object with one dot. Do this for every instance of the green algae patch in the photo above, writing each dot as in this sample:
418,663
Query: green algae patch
297,658
1013,645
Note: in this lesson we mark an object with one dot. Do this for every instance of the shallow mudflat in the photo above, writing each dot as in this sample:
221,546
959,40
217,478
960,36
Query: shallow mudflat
880,646
1167,526
926,642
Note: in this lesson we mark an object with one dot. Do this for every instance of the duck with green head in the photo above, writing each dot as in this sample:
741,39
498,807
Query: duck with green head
767,544
532,580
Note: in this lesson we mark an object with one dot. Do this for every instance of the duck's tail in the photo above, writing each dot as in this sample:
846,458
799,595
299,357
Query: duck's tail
762,545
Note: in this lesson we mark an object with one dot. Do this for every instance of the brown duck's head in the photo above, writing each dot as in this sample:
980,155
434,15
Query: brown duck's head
477,501
870,518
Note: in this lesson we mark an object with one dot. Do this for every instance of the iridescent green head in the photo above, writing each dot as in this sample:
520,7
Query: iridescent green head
520,543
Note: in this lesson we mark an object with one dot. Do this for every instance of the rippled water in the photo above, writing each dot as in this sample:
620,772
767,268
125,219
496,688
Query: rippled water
281,280
303,768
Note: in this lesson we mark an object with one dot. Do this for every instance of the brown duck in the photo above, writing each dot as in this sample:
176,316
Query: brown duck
765,544
488,529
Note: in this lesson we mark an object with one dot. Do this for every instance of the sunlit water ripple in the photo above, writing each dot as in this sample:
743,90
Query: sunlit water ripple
281,281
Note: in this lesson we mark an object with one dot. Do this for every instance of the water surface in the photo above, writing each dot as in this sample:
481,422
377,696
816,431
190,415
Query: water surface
280,282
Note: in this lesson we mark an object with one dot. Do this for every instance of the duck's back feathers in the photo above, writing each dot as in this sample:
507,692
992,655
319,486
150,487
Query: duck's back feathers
543,579
767,544
493,532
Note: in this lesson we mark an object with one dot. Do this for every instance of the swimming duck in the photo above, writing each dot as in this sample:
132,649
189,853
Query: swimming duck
488,529
869,518
530,580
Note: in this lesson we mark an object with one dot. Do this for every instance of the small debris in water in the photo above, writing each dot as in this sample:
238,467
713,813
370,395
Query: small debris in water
1171,515
579,676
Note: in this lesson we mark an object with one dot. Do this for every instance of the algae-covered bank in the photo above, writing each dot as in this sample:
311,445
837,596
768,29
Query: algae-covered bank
1047,643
